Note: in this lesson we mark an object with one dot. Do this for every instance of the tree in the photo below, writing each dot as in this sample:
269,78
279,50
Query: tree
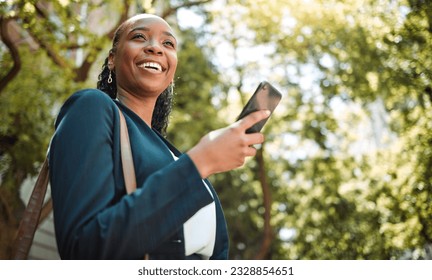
351,145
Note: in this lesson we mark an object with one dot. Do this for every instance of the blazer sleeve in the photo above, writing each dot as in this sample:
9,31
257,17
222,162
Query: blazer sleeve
92,221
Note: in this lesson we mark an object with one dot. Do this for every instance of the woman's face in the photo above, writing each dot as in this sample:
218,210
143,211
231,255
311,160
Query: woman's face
145,60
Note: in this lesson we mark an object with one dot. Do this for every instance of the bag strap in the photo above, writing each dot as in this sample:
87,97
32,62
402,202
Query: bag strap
126,156
32,213
30,220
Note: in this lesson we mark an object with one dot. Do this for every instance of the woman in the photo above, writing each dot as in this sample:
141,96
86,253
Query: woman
175,212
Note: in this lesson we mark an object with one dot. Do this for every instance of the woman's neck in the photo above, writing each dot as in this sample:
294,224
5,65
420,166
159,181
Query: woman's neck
142,106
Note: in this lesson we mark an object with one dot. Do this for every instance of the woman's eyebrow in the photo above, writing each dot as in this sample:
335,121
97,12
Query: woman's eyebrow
143,28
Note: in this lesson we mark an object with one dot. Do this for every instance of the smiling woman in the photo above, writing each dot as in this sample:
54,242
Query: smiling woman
175,212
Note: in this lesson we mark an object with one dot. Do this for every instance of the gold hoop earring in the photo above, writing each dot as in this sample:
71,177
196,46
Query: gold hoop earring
109,77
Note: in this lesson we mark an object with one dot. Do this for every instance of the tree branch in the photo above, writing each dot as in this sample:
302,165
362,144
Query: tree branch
13,51
56,58
122,18
83,71
5,205
268,236
172,10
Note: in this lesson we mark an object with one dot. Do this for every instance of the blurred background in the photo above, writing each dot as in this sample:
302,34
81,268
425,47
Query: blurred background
345,172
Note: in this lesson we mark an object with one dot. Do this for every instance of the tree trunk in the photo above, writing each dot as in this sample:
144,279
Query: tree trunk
13,52
267,236
11,208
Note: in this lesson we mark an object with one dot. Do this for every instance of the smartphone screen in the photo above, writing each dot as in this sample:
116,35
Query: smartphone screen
266,97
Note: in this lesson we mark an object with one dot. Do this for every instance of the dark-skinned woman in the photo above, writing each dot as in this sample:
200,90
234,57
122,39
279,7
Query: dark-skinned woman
175,212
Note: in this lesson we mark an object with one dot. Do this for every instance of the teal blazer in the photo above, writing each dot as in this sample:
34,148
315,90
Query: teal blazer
94,218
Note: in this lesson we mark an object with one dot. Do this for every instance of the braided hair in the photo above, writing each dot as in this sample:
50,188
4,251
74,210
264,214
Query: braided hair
163,104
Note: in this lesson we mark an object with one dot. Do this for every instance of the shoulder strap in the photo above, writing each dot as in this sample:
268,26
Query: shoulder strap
32,213
30,219
126,156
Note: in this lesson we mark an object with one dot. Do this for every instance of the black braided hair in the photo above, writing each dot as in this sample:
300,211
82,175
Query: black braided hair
103,85
164,102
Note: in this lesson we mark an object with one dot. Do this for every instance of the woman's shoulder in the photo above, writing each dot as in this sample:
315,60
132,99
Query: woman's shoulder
87,103
90,95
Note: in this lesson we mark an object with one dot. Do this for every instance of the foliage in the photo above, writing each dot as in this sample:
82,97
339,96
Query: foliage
353,158
27,108
26,111
194,84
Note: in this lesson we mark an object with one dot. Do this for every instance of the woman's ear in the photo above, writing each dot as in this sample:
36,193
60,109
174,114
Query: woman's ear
111,61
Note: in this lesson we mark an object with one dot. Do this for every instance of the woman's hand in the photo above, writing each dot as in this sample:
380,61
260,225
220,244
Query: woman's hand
226,148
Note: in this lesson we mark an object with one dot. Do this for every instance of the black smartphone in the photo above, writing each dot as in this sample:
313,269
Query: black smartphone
265,97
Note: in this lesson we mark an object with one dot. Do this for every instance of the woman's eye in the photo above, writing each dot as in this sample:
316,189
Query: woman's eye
169,43
139,36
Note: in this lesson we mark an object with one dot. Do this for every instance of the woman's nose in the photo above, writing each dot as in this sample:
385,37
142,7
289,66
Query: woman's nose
153,47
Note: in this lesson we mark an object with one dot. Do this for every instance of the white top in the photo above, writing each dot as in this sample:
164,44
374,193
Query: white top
200,229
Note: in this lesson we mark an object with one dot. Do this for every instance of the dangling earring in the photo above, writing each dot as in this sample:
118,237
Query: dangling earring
109,77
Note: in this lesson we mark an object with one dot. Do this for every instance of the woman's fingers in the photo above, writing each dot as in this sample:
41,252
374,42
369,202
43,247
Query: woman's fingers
250,120
251,151
254,138
226,148
253,118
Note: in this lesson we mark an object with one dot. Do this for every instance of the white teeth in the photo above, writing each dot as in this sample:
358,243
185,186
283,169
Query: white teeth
152,65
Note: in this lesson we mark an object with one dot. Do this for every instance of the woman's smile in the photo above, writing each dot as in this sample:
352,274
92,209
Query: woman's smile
153,67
